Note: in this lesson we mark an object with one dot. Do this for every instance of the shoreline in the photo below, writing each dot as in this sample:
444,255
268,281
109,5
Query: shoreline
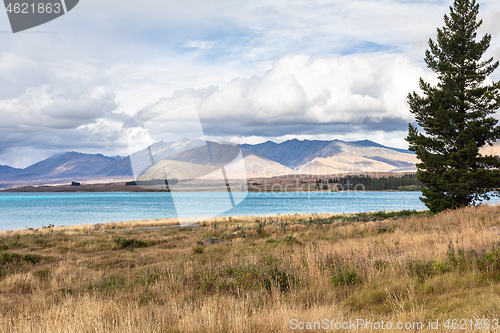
163,223
290,183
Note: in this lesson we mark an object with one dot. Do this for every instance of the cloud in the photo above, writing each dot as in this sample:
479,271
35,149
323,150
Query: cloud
17,73
66,115
199,44
63,106
303,94
254,69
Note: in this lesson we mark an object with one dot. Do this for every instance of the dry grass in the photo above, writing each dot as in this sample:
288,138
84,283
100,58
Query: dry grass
94,227
391,267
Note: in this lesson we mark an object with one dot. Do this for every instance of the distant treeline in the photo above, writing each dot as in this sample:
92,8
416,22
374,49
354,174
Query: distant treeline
153,182
408,182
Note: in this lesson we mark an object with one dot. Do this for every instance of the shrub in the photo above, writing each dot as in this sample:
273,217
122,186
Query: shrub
42,274
345,276
9,258
423,270
198,250
289,240
385,230
280,278
129,243
32,258
260,229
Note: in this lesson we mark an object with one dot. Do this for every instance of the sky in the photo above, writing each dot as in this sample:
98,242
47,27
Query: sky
254,70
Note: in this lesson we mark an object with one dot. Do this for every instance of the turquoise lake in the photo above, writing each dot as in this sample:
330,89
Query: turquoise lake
34,210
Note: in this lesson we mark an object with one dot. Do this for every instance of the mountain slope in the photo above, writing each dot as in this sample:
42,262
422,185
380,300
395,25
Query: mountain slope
5,169
292,153
66,165
353,157
296,154
184,158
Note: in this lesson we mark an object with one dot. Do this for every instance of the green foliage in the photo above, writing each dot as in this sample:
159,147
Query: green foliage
423,270
42,274
32,258
368,183
7,258
267,274
198,250
455,116
11,262
132,243
289,240
385,230
344,276
107,284
487,263
410,188
260,229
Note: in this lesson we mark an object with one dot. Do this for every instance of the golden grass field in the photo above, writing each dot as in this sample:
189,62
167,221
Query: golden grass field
396,267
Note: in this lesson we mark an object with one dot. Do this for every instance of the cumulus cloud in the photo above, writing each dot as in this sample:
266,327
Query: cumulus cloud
57,107
333,95
62,116
255,70
17,73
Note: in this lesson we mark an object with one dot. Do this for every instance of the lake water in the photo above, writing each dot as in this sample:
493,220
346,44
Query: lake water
34,210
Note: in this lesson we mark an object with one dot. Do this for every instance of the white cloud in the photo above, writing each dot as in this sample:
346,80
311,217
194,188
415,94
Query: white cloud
17,73
255,69
57,106
199,44
362,90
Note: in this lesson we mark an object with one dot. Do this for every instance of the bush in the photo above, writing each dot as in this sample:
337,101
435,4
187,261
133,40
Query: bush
289,240
42,274
265,274
9,258
129,243
423,270
345,276
198,250
410,188
280,278
32,258
385,230
260,229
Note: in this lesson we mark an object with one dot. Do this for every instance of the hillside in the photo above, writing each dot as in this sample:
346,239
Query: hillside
186,159
65,165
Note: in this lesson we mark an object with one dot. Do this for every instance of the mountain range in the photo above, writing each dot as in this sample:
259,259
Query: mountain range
185,158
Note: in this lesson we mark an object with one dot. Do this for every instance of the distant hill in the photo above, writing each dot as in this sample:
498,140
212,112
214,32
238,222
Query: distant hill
65,165
322,157
292,153
8,171
184,158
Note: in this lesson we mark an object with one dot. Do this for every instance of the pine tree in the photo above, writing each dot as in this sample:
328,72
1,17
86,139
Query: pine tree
455,115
